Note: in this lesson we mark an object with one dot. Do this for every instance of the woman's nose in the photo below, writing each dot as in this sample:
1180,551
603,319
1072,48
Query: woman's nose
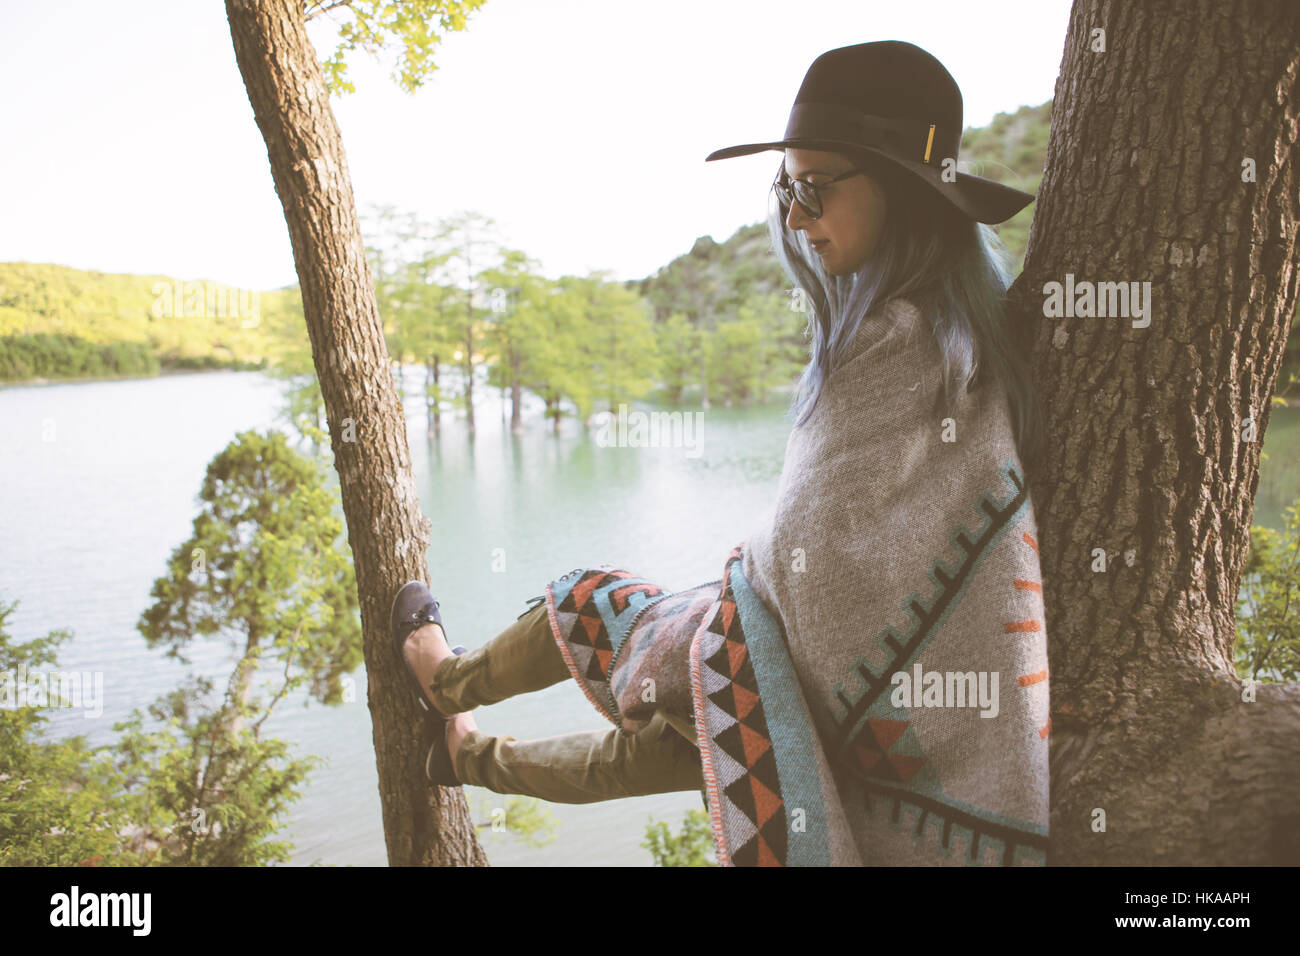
796,217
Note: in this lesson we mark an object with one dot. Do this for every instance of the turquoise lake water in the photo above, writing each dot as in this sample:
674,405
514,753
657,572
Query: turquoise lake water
99,486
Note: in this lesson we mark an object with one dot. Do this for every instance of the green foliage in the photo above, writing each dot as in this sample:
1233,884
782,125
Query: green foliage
57,322
59,801
522,817
736,359
1288,376
576,340
200,793
719,289
763,345
432,291
692,846
289,351
680,346
265,563
1011,150
519,317
412,265
46,355
744,338
193,782
710,283
1268,605
558,366
550,338
377,25
619,351
304,408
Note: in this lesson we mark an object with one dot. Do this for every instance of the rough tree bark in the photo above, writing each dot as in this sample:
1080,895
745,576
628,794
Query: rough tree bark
1146,457
388,534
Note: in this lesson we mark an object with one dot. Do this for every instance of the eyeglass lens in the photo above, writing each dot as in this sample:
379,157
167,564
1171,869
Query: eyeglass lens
800,192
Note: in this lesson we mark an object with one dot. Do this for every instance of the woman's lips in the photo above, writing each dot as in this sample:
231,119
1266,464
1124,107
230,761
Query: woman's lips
819,244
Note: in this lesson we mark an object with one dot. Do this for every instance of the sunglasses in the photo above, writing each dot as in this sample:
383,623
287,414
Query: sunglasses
805,194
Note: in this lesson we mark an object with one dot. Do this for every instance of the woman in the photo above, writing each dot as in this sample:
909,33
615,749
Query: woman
836,693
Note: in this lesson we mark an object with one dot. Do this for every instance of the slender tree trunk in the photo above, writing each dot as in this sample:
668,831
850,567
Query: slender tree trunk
241,685
516,395
553,412
469,375
428,398
388,534
1150,460
436,425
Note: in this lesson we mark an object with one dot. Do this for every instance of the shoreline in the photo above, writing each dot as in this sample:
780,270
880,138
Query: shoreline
79,380
82,380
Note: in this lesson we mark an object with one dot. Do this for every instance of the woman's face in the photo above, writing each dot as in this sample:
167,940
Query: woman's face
853,209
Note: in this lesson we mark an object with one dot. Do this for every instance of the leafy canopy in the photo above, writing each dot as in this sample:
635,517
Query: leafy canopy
405,25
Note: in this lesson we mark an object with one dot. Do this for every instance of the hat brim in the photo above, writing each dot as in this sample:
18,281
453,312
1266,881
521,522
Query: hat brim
983,200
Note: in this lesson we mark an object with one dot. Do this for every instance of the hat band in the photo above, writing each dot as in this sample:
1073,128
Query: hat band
907,138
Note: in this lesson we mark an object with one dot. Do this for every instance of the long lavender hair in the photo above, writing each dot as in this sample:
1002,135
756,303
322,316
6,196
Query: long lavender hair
953,269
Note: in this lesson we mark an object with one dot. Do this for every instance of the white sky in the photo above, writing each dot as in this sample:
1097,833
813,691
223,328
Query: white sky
127,143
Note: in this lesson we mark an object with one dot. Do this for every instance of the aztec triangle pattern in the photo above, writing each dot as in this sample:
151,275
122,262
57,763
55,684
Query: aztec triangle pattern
871,749
583,634
868,740
745,785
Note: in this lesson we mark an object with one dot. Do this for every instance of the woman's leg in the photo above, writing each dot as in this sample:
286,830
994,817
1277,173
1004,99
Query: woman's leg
584,767
522,658
570,768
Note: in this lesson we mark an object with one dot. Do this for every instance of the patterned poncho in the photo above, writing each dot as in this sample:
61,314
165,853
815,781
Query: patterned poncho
867,680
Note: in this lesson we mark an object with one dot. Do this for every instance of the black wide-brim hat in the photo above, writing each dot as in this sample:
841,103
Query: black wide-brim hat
895,101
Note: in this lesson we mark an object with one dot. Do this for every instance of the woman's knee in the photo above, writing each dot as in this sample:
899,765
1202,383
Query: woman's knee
660,760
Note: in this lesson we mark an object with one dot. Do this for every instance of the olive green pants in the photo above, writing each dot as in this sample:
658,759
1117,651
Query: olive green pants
571,768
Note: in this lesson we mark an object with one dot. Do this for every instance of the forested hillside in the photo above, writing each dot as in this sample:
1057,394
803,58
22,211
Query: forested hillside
58,322
720,313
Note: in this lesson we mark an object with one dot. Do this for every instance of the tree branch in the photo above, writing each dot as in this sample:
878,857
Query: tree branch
308,13
284,688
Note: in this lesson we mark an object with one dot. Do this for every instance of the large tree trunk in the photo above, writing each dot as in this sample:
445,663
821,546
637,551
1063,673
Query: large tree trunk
388,534
1146,457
